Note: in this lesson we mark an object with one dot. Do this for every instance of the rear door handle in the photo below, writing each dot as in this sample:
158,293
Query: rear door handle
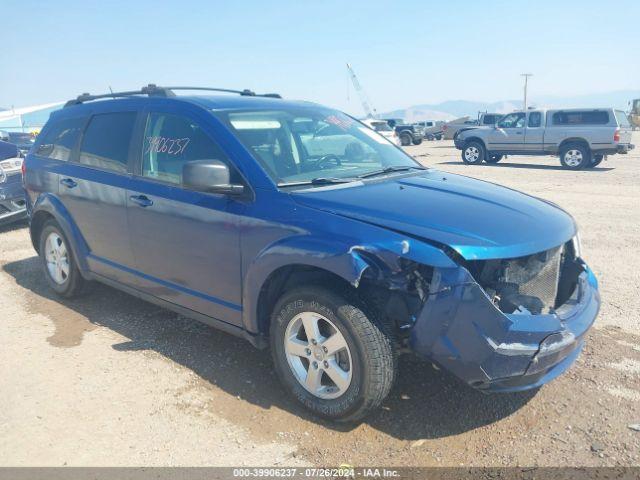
69,182
141,200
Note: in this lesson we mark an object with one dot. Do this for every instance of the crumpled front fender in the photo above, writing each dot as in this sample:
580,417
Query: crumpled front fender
339,256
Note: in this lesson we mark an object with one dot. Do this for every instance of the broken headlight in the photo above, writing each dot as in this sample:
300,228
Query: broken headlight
577,246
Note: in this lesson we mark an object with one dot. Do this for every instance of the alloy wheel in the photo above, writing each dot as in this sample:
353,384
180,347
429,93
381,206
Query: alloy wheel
318,355
57,258
573,158
472,154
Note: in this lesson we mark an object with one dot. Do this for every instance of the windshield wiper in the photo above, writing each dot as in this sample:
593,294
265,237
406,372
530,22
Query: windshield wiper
384,171
318,181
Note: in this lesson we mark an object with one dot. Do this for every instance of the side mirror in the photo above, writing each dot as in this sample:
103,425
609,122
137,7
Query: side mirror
210,176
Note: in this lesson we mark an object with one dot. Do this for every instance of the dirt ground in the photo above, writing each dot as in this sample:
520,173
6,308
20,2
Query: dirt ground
110,380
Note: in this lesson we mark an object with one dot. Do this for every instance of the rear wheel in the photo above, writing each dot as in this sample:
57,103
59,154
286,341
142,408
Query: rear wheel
417,141
575,156
60,268
493,158
473,153
334,359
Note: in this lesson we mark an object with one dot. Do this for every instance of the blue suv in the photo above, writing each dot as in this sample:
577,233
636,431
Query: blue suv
298,228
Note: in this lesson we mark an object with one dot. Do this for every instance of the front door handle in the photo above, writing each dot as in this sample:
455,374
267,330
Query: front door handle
141,200
69,182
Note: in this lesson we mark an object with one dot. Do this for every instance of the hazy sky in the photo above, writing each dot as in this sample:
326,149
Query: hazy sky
404,53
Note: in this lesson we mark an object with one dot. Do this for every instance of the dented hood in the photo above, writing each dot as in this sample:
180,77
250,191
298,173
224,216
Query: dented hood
478,219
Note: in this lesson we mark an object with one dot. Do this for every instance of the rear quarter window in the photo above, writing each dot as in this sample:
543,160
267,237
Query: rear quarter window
59,140
580,117
106,141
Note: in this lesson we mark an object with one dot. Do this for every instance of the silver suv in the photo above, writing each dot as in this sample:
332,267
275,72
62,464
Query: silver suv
582,138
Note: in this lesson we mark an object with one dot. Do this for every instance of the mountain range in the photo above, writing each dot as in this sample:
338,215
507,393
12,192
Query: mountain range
452,109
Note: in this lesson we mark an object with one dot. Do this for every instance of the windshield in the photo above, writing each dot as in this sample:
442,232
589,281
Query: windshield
311,144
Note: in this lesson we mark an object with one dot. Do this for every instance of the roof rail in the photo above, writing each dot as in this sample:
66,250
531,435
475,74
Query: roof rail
153,90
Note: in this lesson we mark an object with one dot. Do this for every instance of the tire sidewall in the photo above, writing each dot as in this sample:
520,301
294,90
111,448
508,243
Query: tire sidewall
405,139
330,306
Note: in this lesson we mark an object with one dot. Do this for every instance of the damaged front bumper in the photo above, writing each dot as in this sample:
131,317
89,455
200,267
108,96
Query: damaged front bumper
462,330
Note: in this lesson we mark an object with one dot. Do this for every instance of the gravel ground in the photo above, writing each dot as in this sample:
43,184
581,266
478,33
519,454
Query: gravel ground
107,379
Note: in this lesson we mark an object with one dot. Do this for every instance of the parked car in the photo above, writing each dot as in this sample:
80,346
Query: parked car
23,140
449,129
582,138
431,130
484,119
383,128
408,134
214,207
12,203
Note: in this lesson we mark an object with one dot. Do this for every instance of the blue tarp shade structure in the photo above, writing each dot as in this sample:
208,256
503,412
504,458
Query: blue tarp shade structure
27,119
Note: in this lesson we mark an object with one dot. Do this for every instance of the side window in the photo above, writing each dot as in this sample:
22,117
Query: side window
170,141
106,141
535,119
60,139
513,120
590,117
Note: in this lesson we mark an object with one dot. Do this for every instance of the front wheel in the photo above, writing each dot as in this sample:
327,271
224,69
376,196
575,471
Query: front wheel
405,139
417,141
473,153
333,358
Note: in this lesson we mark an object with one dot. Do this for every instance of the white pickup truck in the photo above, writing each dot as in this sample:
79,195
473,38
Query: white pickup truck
582,138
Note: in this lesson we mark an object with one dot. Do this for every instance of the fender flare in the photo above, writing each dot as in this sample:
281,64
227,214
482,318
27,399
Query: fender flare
51,205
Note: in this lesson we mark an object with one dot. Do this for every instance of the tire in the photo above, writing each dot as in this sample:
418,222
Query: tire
431,137
59,265
473,153
575,156
366,357
438,137
405,139
417,141
596,160
493,158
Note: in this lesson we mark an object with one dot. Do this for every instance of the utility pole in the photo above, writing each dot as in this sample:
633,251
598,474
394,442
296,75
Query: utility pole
526,82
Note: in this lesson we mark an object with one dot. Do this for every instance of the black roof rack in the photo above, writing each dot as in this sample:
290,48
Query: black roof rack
153,90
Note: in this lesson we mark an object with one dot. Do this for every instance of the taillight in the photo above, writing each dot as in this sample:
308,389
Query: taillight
23,167
616,136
